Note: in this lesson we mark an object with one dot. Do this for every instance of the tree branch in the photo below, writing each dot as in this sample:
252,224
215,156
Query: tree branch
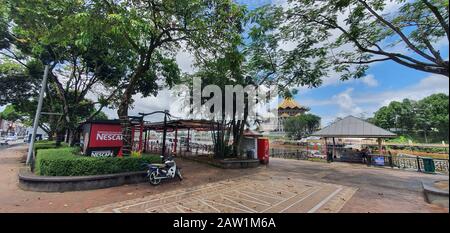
398,31
439,17
363,62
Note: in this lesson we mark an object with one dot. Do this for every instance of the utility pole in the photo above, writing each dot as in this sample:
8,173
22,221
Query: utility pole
38,114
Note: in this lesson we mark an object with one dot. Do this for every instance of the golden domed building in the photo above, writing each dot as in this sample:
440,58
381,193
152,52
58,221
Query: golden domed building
288,108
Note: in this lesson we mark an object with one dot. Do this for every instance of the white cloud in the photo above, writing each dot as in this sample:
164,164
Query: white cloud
346,104
425,87
349,102
370,80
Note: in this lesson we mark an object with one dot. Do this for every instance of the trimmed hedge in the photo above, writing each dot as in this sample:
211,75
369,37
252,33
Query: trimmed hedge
66,162
43,145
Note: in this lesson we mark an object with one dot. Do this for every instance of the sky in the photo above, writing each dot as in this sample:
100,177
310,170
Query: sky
385,82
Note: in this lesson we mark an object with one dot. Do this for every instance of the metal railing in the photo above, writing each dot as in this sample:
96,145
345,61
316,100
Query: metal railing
400,161
409,162
294,154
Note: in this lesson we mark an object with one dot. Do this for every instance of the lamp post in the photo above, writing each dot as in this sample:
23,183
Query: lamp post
38,114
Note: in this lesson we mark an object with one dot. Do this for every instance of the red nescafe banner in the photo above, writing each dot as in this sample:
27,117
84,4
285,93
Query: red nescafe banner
105,140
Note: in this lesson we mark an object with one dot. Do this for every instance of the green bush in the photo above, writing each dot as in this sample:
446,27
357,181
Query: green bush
43,145
66,162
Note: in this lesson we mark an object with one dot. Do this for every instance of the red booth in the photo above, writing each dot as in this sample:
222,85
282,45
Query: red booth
263,150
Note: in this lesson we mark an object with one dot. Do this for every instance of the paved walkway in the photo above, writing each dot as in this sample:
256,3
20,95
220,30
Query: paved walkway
283,186
264,194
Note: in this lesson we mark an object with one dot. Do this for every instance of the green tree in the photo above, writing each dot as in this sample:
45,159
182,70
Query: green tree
433,115
10,114
228,69
67,36
270,63
426,118
319,30
302,126
153,31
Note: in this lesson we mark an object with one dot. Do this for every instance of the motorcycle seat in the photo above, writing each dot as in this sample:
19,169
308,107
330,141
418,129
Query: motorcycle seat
158,165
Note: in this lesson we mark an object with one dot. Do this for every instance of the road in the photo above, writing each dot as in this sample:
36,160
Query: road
304,187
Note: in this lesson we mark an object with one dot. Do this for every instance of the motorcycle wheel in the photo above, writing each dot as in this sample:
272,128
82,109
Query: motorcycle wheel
179,174
153,179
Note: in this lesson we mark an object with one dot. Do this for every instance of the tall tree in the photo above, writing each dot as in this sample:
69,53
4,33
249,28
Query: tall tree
154,30
67,36
302,126
10,114
408,36
433,115
426,118
271,63
228,69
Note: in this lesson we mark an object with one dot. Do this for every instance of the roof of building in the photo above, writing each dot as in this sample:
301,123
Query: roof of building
353,127
290,103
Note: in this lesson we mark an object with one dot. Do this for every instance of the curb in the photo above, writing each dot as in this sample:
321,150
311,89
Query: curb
227,164
31,182
434,195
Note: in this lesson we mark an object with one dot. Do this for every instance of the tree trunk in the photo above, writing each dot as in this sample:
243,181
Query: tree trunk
74,137
122,112
59,137
68,134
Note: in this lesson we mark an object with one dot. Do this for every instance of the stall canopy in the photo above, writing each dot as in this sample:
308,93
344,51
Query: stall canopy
199,125
353,127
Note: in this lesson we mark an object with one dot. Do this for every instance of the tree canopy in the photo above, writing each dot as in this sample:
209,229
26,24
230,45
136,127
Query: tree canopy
302,126
426,119
36,33
10,114
303,41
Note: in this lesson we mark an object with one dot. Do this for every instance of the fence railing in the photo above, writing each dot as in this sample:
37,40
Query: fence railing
193,149
401,161
295,154
409,162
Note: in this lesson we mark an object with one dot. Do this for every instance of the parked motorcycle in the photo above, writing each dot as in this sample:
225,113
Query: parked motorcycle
167,170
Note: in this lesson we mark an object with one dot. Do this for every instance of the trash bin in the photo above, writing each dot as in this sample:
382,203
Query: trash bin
263,150
428,165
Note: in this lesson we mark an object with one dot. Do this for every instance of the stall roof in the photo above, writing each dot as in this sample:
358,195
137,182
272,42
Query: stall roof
251,134
200,125
353,127
111,122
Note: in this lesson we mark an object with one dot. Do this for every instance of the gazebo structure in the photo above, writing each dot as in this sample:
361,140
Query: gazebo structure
353,127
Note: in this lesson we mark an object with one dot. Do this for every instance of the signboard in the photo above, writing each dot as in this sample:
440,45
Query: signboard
105,135
379,161
102,153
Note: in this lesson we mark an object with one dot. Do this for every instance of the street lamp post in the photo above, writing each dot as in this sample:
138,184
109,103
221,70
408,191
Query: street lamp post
38,114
